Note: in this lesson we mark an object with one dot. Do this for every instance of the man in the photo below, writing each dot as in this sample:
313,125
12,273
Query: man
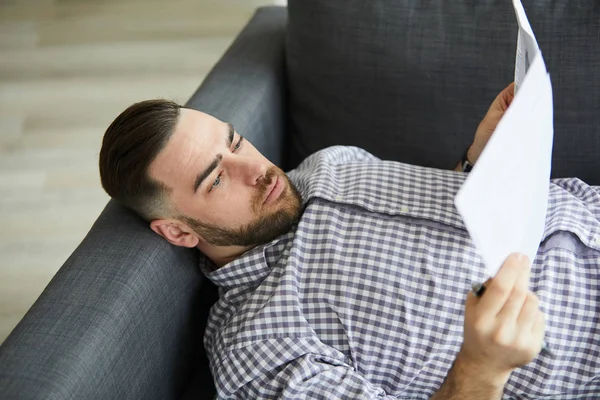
346,277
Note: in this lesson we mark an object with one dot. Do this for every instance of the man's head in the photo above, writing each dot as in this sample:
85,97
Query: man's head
197,181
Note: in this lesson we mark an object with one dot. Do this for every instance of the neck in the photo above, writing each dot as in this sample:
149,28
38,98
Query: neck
221,255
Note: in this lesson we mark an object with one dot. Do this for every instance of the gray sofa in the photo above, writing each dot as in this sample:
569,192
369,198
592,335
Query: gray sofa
124,316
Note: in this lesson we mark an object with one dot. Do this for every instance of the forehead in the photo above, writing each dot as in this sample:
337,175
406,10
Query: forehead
195,141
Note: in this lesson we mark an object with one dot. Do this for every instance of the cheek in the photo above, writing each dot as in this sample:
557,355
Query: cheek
232,208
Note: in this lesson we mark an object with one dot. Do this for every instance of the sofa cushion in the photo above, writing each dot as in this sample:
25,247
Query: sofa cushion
411,80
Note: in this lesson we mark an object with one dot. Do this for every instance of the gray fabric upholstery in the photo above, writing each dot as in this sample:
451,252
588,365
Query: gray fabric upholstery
124,316
411,80
117,321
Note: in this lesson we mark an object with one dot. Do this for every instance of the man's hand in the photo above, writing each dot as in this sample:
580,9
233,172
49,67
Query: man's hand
504,330
490,121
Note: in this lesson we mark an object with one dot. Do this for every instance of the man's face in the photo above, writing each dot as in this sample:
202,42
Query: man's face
222,188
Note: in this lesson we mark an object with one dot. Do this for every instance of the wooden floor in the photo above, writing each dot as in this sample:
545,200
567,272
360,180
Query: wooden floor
67,68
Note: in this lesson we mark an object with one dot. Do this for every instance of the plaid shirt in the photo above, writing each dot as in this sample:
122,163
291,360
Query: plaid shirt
364,298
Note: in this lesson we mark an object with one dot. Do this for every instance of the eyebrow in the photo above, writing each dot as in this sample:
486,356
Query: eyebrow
216,161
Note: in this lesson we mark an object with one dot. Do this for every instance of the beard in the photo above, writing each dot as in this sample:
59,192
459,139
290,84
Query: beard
263,228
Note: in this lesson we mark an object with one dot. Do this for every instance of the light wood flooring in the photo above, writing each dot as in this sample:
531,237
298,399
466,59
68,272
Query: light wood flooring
67,68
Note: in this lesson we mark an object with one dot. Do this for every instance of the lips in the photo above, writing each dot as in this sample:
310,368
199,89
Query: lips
274,190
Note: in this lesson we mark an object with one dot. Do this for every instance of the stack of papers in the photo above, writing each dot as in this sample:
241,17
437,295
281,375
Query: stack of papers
503,202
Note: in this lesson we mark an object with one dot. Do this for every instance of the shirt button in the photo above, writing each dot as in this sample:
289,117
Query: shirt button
404,209
338,198
596,241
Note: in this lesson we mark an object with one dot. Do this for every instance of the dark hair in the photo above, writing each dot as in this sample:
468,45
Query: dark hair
130,144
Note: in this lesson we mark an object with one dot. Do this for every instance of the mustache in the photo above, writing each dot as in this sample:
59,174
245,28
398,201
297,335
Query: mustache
263,185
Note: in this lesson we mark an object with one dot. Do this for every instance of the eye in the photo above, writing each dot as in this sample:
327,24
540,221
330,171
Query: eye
216,183
238,145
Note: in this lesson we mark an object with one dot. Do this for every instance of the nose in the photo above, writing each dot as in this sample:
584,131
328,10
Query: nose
250,170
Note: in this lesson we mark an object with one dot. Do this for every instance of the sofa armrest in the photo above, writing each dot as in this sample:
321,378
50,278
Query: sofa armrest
247,86
116,322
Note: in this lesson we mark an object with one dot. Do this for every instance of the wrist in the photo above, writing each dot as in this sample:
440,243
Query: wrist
480,374
473,153
465,381
464,165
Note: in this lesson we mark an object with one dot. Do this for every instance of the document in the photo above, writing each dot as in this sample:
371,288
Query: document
527,47
503,201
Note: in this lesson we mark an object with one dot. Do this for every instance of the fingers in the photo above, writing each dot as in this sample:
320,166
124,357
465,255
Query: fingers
533,325
504,329
510,275
529,315
518,296
506,97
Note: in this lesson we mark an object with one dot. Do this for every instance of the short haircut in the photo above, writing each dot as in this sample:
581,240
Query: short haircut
130,144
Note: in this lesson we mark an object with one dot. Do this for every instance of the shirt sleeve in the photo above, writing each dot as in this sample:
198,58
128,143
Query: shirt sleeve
277,369
335,155
346,154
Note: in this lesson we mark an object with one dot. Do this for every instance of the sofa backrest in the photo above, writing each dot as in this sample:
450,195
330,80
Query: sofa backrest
411,80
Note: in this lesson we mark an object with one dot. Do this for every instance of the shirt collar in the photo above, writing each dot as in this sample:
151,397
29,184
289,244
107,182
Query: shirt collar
247,270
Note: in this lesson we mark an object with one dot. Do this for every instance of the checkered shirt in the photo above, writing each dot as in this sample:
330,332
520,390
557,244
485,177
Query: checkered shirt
364,297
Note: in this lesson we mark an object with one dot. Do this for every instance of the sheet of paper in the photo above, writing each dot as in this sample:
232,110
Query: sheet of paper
503,202
527,47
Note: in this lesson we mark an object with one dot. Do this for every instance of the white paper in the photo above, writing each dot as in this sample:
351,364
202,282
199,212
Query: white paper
527,47
503,202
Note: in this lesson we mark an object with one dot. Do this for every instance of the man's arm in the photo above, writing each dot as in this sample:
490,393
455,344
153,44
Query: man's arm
504,330
309,376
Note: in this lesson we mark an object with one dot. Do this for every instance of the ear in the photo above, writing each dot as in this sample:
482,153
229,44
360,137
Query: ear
175,232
